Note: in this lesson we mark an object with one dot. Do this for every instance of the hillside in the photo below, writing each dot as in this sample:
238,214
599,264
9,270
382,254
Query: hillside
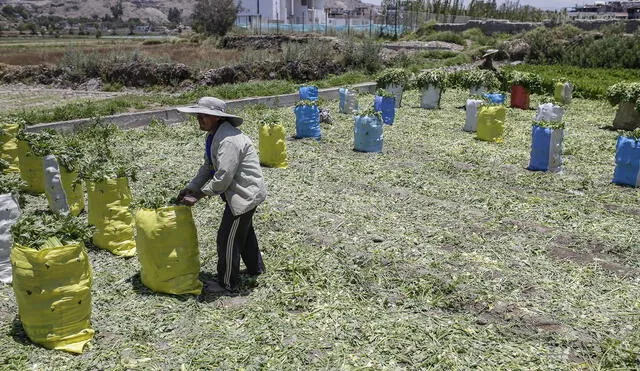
152,10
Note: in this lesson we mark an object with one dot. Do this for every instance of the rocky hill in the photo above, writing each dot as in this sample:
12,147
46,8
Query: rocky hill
152,10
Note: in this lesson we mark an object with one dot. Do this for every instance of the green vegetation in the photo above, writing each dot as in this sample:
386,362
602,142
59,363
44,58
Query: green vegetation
624,92
588,82
530,81
475,79
436,78
442,253
396,76
370,112
45,229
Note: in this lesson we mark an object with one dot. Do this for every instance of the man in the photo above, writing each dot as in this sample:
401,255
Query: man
231,170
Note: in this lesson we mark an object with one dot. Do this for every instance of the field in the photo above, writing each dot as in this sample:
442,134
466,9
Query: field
443,252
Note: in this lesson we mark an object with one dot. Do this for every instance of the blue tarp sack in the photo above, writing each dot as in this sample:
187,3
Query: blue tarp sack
368,134
546,149
387,106
627,162
307,121
348,100
308,93
495,98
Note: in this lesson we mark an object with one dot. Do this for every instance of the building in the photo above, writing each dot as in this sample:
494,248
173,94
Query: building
605,10
256,12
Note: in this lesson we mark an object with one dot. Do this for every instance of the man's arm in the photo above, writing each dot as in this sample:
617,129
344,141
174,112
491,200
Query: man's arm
201,178
228,155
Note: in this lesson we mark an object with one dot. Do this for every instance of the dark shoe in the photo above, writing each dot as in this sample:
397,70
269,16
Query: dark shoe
214,287
252,273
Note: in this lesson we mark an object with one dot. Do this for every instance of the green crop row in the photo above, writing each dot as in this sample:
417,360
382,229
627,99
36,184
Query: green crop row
590,83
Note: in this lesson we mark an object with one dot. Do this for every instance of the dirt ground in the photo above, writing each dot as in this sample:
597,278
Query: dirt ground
20,96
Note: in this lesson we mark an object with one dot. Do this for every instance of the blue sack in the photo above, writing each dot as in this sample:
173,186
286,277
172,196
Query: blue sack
308,92
307,121
367,134
546,149
495,98
627,162
387,106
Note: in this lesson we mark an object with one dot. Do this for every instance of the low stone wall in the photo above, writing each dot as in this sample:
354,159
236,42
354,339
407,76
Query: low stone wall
490,27
172,116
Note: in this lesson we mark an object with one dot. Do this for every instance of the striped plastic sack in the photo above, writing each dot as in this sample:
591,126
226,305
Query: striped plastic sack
627,171
368,134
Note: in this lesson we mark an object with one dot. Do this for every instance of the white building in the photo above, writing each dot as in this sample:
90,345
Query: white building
309,12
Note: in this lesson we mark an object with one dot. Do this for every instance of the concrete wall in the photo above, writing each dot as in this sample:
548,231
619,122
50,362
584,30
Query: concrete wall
499,26
172,116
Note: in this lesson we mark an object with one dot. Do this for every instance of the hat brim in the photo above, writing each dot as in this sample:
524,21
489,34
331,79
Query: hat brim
194,110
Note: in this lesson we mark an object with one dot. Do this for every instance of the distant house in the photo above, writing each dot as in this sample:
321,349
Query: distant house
144,28
633,12
253,12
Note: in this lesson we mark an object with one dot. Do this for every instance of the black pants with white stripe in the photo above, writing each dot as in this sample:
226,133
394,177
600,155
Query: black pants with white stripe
237,239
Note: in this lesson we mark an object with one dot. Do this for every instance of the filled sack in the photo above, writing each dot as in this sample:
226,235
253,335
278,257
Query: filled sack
62,188
348,100
272,146
9,146
9,214
307,121
430,97
53,291
471,119
167,245
627,170
108,202
368,134
31,168
491,123
387,107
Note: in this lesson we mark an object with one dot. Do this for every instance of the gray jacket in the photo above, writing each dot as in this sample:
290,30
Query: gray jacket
237,171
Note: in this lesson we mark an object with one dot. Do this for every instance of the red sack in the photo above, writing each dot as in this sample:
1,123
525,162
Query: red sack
519,97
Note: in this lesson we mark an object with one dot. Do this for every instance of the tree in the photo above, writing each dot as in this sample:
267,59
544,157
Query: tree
117,10
215,17
174,15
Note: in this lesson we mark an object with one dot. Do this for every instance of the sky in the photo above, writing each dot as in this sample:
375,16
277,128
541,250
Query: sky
544,4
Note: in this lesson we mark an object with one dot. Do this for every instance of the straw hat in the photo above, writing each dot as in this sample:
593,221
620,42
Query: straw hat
214,107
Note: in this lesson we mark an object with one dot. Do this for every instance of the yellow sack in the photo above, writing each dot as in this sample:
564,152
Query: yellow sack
31,168
168,250
9,146
109,212
491,123
272,146
53,291
73,191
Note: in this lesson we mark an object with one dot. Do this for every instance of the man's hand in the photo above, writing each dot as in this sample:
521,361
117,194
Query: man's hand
183,193
189,200
191,197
